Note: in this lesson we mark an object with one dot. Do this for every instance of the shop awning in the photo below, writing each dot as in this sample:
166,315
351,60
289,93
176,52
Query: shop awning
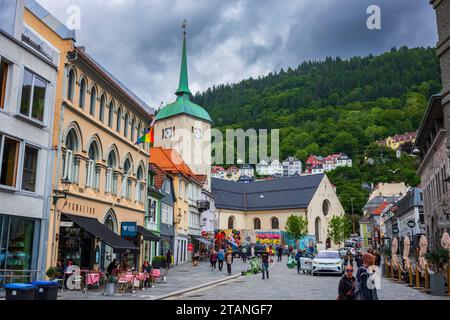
203,240
147,234
98,230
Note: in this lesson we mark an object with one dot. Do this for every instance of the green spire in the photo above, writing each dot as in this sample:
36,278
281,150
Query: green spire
183,87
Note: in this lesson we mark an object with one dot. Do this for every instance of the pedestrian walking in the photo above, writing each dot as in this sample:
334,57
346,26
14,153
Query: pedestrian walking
220,258
280,253
365,283
265,264
297,257
244,254
229,260
358,259
168,259
347,285
348,259
213,259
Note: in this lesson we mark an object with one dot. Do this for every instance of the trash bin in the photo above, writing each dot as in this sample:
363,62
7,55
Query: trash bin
20,291
46,290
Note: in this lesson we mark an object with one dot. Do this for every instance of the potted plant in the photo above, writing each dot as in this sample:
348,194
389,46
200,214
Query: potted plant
110,281
51,273
157,262
437,259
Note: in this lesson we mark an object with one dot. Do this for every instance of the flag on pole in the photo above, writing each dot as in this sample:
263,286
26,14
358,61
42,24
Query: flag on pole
149,134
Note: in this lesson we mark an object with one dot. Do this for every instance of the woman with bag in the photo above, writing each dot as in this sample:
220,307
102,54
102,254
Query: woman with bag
347,285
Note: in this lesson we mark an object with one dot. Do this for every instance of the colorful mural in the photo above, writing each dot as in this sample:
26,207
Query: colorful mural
269,238
227,237
307,243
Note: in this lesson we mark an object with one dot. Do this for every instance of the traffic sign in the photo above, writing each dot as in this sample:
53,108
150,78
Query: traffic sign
395,230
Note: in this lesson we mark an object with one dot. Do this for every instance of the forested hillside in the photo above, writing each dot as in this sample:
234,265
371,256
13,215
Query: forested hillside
337,105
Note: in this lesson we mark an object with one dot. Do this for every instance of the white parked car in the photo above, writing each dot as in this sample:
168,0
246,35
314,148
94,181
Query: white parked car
327,262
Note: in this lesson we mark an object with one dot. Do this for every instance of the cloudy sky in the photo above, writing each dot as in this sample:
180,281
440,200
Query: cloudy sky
139,41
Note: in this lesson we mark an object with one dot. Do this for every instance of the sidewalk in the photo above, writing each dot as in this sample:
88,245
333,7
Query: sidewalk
180,279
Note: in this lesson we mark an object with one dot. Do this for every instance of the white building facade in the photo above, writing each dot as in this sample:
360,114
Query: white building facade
27,92
292,166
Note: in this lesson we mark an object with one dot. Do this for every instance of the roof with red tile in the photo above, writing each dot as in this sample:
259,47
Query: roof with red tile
217,169
170,161
159,175
380,208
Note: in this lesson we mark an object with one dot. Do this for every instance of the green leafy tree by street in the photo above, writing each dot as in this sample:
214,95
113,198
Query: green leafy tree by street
296,227
339,229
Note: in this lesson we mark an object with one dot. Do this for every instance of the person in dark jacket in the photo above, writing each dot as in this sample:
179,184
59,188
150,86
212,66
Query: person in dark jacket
280,253
358,259
297,257
347,285
365,284
111,266
265,264
168,259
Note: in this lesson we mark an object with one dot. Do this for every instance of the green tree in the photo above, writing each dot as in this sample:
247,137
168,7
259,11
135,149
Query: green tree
296,227
339,229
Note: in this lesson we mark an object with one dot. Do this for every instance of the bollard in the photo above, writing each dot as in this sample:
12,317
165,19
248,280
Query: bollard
386,266
411,282
427,284
448,280
417,277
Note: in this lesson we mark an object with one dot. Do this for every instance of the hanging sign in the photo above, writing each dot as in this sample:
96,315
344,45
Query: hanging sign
190,247
129,229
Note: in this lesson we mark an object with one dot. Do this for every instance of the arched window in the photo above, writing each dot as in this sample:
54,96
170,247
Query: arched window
325,207
111,224
93,100
82,93
132,130
91,175
119,120
111,114
317,227
275,223
111,178
71,85
101,113
231,222
126,191
125,130
139,131
140,185
71,143
257,224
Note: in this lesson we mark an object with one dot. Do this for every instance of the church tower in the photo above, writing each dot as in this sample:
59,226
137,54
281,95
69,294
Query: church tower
186,126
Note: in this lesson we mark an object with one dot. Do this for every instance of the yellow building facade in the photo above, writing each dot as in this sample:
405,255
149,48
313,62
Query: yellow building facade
99,173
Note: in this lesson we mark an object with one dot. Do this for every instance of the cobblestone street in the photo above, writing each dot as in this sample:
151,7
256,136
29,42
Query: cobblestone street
286,284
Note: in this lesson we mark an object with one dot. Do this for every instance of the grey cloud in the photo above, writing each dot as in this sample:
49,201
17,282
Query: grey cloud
139,41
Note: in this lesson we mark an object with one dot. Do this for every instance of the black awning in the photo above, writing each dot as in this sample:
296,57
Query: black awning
147,234
98,230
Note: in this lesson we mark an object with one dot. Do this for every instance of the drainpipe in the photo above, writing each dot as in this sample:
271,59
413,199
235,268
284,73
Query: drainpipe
59,158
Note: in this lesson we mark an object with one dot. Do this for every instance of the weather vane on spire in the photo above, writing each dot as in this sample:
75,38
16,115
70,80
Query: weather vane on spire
184,25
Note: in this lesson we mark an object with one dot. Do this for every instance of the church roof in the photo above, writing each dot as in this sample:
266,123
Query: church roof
183,104
287,193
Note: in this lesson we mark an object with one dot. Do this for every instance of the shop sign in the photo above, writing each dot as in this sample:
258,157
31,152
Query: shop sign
66,224
128,229
190,247
443,224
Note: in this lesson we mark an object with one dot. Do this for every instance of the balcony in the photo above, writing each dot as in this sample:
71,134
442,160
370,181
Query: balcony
203,205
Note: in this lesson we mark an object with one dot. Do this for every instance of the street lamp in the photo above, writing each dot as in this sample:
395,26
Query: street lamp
61,194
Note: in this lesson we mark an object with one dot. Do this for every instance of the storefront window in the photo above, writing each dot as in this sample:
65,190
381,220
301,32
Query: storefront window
16,246
70,244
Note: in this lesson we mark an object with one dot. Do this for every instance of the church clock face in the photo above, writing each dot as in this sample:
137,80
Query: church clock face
197,133
168,133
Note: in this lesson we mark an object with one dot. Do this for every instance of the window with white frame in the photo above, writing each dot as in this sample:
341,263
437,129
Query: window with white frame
7,15
4,67
128,189
34,89
152,215
91,174
166,214
167,186
111,178
140,185
194,219
11,151
69,170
